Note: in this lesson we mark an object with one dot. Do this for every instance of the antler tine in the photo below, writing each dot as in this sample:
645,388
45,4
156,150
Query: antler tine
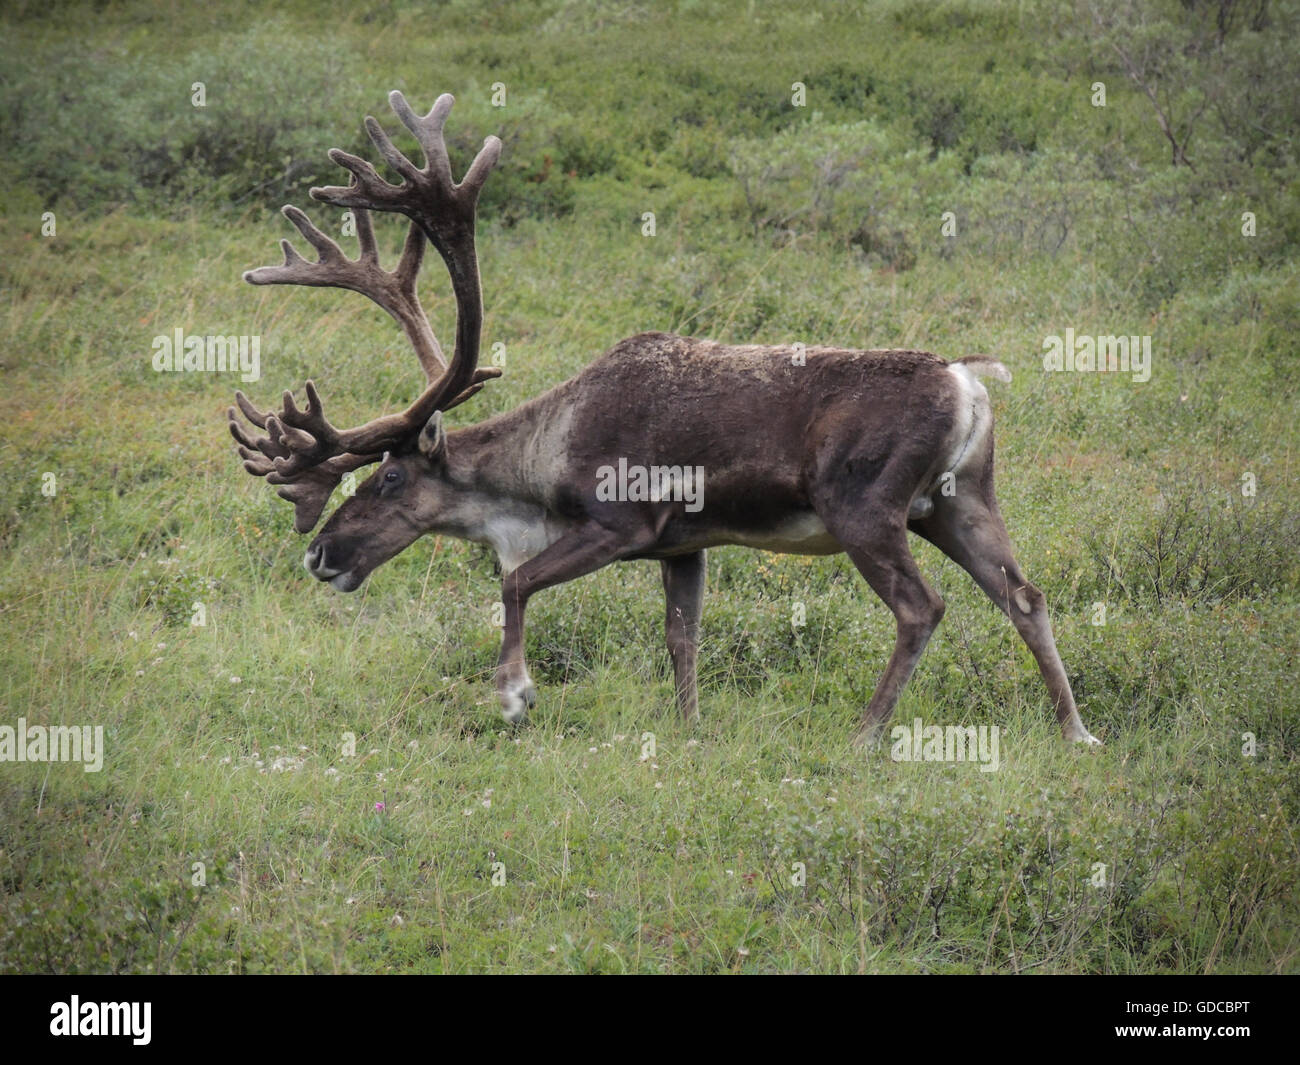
408,266
254,415
429,132
481,376
369,189
272,454
367,248
394,291
308,489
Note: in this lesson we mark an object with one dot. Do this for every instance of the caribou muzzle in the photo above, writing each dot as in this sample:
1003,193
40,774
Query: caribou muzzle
324,564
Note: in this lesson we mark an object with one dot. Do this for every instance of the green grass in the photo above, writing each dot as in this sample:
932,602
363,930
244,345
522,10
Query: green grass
227,743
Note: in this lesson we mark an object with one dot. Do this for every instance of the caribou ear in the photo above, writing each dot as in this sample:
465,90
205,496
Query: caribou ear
433,438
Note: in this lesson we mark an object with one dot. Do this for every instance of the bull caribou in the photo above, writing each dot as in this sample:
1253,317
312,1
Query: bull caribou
807,451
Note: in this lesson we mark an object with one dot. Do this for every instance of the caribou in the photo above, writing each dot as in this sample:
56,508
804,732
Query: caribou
815,450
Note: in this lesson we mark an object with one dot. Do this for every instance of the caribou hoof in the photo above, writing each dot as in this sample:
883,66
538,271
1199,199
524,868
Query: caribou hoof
517,698
869,735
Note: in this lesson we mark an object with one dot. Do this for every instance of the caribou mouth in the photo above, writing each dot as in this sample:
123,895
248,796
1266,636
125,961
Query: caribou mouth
347,582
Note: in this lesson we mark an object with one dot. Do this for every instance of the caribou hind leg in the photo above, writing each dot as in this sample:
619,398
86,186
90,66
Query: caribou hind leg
968,528
874,535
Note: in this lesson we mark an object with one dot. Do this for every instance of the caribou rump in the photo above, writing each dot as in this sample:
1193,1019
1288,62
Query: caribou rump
802,450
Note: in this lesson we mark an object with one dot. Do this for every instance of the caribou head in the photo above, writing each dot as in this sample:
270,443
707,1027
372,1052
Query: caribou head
307,456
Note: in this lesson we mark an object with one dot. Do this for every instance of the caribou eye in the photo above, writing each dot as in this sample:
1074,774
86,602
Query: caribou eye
391,476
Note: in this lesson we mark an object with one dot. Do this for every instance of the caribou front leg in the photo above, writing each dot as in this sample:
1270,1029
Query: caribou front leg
684,591
578,552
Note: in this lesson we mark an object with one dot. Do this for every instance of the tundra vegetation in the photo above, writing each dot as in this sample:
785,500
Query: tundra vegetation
295,780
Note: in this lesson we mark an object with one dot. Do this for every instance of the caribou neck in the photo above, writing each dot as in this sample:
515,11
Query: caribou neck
502,476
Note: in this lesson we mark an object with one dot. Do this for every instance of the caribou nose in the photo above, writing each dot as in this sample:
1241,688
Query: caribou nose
314,561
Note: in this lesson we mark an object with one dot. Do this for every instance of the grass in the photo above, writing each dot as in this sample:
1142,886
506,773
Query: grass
308,782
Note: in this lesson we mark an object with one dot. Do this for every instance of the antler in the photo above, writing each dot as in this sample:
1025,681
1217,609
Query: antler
443,209
302,451
308,489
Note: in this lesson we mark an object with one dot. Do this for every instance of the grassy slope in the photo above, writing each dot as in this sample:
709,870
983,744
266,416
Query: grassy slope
680,861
